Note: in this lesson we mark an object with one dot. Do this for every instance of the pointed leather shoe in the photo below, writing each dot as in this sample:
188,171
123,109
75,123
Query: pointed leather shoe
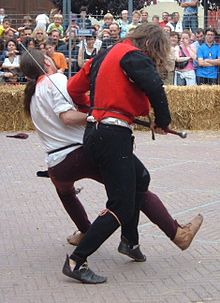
83,274
133,253
186,233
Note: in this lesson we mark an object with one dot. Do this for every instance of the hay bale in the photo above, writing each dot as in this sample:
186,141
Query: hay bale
12,116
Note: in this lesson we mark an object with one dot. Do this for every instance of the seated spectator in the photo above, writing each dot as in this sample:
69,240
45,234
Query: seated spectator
27,31
135,21
73,26
56,24
108,19
167,30
208,56
175,24
185,51
105,34
29,43
87,51
156,19
5,27
11,62
83,20
123,23
42,47
39,36
58,58
42,20
55,37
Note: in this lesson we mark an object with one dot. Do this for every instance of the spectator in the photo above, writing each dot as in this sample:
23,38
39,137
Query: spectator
174,23
2,15
56,24
208,59
27,22
156,19
73,26
135,21
27,31
58,58
174,42
165,18
5,27
42,47
11,62
74,51
190,14
167,29
87,51
186,51
9,34
42,20
105,34
144,15
83,20
29,43
39,36
55,37
200,34
114,31
123,23
108,19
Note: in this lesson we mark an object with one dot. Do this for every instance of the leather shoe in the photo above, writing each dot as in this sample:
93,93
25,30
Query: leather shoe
83,274
134,253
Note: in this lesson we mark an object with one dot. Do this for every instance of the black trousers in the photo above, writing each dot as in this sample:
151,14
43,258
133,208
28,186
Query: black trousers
111,149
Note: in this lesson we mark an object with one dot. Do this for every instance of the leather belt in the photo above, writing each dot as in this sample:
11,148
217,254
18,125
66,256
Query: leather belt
110,121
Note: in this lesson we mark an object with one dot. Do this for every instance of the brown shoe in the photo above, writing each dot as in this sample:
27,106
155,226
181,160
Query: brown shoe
186,233
75,238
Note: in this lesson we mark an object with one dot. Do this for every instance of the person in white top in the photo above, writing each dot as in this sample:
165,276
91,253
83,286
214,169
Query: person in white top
60,128
175,24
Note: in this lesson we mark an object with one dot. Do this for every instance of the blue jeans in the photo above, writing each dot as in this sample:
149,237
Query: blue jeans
190,22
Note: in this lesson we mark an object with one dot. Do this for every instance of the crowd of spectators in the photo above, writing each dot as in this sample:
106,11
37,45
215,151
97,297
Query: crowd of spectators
194,56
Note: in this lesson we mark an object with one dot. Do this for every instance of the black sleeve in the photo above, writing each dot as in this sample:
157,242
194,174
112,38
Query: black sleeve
141,70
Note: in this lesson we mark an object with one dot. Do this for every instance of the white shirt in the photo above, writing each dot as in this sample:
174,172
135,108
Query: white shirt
46,105
178,28
15,63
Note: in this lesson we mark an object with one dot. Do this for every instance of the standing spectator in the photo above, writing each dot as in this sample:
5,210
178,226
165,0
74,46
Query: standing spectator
165,18
114,31
167,30
2,15
175,24
39,36
156,20
56,24
186,51
190,14
144,15
135,21
108,19
42,20
11,62
83,20
58,58
200,34
87,51
208,59
123,23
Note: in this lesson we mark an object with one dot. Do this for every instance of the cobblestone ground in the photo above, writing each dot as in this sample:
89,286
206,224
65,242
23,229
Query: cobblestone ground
34,226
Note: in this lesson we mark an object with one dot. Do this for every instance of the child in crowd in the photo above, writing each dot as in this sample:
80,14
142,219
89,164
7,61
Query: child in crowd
56,24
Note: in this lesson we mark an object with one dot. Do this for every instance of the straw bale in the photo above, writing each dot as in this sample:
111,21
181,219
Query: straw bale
12,116
192,108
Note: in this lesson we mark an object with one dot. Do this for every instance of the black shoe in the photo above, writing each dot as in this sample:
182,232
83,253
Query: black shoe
133,253
83,274
42,173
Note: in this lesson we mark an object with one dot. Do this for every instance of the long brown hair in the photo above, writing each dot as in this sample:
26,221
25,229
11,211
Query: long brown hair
151,39
32,71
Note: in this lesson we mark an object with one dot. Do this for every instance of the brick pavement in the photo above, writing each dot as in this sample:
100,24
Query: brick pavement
33,228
